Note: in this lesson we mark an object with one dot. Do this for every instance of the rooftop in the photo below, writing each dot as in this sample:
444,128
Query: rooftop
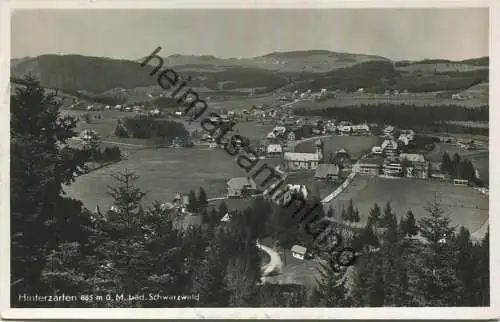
299,249
241,182
294,156
412,157
325,170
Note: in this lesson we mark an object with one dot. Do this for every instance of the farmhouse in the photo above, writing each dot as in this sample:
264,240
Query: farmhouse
327,172
388,130
415,165
290,136
389,147
274,149
360,129
346,129
392,167
299,252
368,166
239,187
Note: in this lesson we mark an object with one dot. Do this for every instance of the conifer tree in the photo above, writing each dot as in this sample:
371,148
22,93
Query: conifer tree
356,217
374,215
409,225
446,164
202,198
437,274
350,211
331,288
466,268
344,215
483,253
210,279
41,163
193,204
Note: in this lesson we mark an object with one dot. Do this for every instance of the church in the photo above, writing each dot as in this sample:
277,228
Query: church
294,161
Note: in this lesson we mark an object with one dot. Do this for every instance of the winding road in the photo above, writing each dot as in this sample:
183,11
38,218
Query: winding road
274,265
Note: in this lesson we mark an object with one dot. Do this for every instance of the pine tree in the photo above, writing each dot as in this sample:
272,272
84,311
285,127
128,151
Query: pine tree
466,269
447,164
210,279
483,254
41,163
409,225
344,215
222,209
194,245
331,288
241,283
374,215
350,211
193,202
356,217
119,246
388,216
456,165
330,212
437,275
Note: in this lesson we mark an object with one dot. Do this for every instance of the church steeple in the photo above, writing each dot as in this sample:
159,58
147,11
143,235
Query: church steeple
319,145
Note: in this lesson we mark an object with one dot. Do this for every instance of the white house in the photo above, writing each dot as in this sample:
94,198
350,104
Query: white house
388,130
274,149
346,129
360,129
389,146
299,252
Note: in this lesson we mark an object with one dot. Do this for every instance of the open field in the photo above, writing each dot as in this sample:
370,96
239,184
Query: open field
419,99
464,205
356,145
440,67
163,172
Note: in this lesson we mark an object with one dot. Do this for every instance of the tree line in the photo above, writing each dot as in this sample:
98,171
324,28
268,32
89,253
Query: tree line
58,246
402,114
147,127
459,168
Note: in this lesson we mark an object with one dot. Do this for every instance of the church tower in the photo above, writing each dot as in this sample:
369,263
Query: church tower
319,145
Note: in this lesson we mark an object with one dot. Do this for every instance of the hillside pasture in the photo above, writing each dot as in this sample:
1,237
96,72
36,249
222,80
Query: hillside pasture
440,68
464,205
419,99
162,172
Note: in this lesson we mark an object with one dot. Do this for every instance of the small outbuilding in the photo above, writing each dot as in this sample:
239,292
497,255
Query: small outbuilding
299,252
327,171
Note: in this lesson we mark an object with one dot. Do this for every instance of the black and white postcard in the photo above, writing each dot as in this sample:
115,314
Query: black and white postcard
280,160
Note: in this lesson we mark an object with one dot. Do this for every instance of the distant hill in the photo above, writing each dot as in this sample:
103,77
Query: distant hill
315,61
314,69
98,75
76,72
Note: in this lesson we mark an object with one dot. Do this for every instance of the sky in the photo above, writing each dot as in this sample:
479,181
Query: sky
398,34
